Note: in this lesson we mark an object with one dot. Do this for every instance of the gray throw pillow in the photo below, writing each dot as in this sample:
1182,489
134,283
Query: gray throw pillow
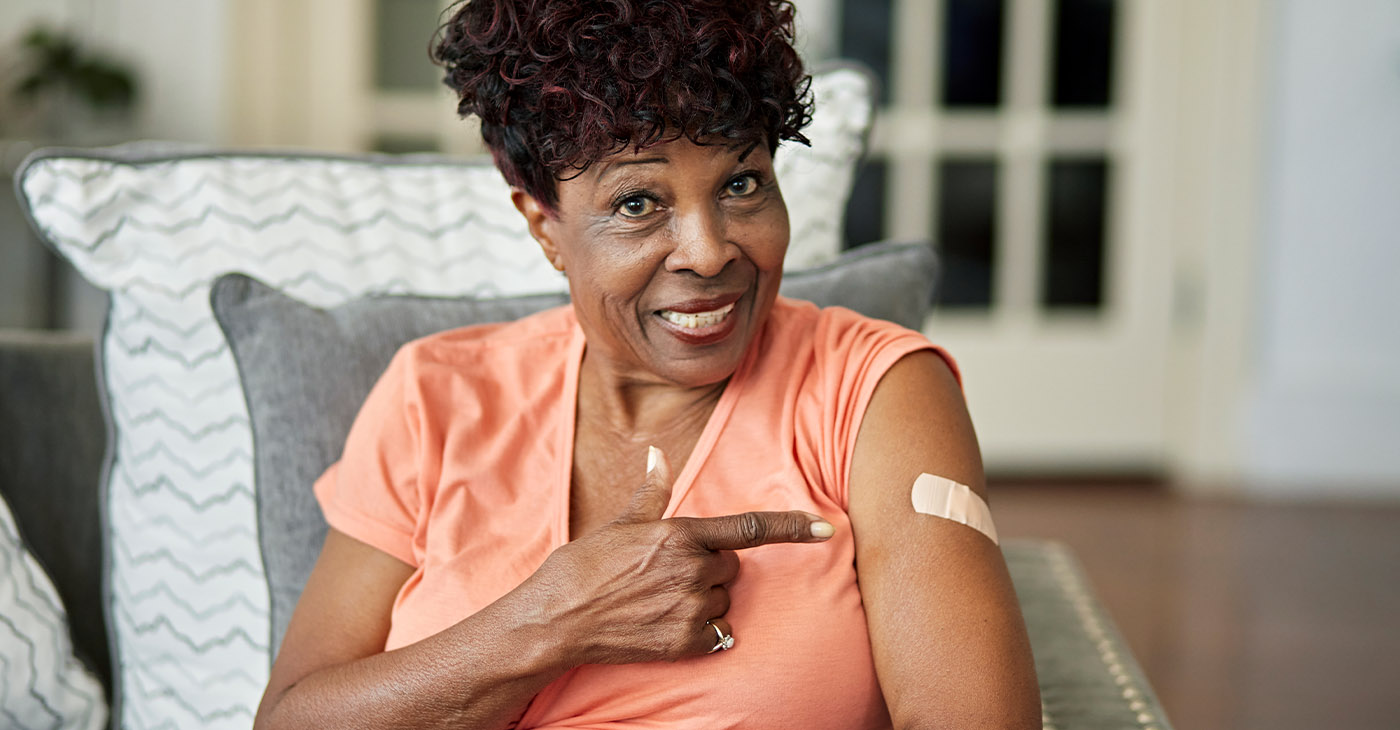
889,281
306,370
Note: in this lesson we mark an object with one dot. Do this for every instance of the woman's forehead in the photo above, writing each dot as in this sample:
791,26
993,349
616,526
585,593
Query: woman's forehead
683,150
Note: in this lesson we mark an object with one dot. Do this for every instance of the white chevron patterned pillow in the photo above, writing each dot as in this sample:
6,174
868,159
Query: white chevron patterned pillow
187,590
42,685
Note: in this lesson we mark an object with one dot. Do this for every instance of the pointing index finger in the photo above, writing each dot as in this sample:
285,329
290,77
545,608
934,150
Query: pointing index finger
752,529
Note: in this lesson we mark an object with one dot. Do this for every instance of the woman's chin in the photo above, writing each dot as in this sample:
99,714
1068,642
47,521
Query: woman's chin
701,355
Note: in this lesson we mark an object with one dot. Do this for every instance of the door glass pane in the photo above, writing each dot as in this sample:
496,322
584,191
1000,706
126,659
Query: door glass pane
1074,246
972,52
865,35
967,204
1084,39
402,31
865,211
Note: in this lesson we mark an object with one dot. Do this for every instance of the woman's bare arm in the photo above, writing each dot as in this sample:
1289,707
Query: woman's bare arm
949,642
332,670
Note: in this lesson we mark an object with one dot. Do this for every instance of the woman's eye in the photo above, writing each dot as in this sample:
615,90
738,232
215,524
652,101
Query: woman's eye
637,206
743,185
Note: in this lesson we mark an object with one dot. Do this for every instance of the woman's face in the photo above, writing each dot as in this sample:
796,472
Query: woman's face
674,255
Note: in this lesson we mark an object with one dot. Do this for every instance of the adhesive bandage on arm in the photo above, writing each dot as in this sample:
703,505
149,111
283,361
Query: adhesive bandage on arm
943,497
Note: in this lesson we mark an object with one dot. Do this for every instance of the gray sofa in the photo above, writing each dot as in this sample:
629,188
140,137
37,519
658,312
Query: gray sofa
51,447
169,449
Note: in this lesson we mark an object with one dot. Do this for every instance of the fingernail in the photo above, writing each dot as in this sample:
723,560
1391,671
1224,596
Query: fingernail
653,456
822,529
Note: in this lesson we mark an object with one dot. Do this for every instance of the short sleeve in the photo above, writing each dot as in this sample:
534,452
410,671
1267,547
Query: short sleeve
854,353
371,494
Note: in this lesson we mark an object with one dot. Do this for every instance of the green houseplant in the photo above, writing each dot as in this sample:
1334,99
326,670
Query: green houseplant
66,93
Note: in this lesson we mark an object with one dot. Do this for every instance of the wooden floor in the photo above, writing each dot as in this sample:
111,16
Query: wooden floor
1243,615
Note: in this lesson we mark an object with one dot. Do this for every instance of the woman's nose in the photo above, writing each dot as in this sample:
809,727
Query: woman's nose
701,245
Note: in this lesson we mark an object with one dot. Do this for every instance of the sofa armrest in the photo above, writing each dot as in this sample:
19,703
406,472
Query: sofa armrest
52,443
1088,676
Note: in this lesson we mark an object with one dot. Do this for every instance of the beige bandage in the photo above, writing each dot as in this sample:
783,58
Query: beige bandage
943,497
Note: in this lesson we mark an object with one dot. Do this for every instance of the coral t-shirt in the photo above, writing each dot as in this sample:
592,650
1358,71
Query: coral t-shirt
459,464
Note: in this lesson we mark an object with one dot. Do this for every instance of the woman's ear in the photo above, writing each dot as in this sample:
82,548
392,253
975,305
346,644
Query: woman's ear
541,224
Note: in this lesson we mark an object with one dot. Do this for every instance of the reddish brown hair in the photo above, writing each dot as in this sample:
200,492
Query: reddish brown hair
559,84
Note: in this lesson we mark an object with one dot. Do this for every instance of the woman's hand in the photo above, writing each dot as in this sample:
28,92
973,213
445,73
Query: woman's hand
642,588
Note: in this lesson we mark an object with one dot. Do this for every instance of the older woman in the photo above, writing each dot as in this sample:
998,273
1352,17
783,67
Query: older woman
682,501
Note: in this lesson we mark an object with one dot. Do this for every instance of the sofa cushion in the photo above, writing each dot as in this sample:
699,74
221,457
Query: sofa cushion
44,685
305,370
187,589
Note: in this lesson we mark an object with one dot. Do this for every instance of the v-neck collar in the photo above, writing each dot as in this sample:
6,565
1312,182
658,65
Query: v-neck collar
681,486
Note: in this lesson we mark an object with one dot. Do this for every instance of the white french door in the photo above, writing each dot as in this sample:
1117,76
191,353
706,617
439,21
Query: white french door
1044,146
1018,135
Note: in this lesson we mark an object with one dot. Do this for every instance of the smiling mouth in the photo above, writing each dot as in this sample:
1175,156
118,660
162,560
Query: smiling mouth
697,320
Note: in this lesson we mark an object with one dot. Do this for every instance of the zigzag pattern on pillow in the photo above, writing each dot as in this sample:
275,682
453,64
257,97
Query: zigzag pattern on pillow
188,593
189,598
42,685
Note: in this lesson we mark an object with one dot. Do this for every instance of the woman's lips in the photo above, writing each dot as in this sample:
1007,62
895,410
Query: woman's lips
701,327
697,320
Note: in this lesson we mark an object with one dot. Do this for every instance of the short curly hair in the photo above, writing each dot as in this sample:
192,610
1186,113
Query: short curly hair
559,84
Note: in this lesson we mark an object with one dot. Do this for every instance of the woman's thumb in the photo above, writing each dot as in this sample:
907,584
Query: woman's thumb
651,497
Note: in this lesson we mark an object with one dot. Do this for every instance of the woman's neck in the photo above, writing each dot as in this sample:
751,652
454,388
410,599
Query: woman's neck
617,419
624,405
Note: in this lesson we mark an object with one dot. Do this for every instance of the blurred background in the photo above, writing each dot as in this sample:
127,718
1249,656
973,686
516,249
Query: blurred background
1171,239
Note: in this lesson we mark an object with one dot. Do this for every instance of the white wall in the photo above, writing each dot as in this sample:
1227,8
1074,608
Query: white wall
1323,417
817,24
178,50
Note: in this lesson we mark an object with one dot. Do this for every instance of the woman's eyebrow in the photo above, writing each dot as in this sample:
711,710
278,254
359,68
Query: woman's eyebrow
609,168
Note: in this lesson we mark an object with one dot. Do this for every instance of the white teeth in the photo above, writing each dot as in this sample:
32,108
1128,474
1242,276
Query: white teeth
699,319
